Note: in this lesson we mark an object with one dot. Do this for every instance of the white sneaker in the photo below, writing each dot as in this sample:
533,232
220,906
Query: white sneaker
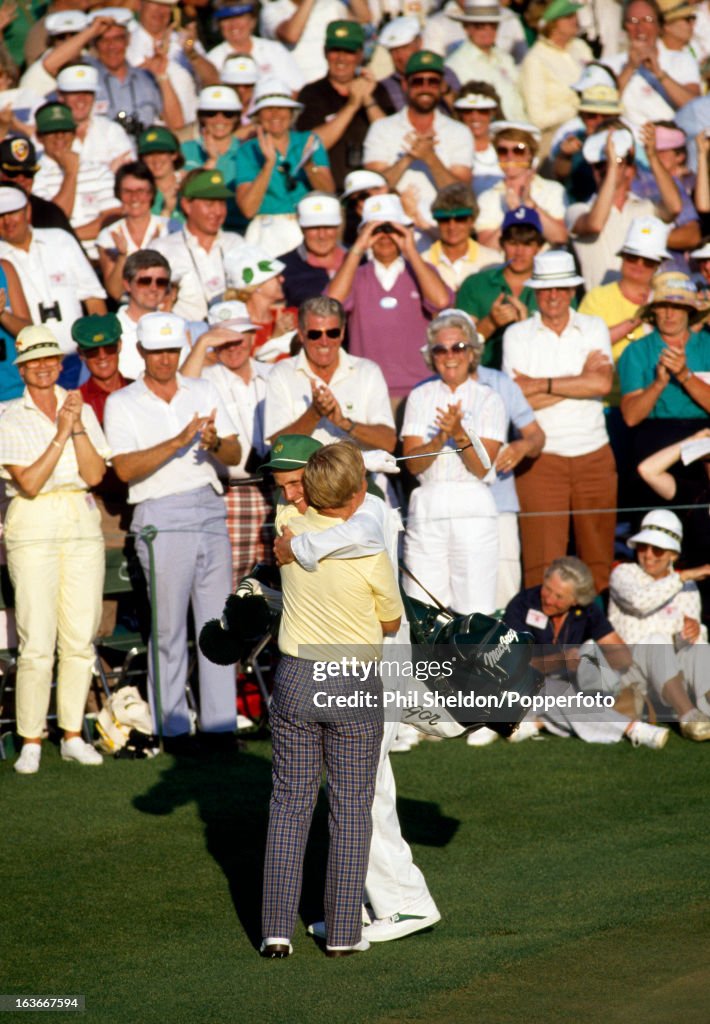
385,929
360,947
642,734
525,731
482,737
28,761
77,750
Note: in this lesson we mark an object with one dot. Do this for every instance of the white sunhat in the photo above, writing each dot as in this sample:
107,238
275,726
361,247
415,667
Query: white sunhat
361,181
386,208
520,126
475,101
240,69
594,148
400,31
249,266
475,11
78,78
36,342
218,97
12,199
272,92
161,330
319,210
232,314
121,15
660,527
703,253
59,22
594,74
554,269
648,237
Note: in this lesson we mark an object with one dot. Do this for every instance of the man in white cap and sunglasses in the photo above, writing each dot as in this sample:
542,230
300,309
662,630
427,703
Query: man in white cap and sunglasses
165,432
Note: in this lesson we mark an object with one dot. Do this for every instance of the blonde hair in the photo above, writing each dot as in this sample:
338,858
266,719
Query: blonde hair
333,475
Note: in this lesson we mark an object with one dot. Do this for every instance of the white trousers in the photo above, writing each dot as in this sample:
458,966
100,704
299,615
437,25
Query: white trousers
509,569
451,545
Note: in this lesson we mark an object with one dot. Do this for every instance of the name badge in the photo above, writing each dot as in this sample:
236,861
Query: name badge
536,618
388,302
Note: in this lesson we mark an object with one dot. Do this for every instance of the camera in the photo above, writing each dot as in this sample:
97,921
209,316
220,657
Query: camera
130,123
47,312
385,229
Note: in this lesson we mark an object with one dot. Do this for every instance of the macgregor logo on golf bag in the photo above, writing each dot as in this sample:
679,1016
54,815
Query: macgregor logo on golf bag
491,658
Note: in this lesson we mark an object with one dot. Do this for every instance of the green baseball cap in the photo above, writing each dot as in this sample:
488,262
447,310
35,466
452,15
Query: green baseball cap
424,60
344,35
291,451
559,9
54,117
157,140
206,185
93,331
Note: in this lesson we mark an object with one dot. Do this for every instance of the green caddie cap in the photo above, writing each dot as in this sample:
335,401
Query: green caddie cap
424,60
206,185
93,331
291,451
157,140
559,9
344,35
54,117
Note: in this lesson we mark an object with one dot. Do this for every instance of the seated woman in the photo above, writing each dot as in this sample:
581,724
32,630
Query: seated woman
451,541
218,110
577,640
277,169
137,228
516,145
657,610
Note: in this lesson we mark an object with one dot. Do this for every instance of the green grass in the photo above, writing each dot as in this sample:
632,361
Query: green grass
572,880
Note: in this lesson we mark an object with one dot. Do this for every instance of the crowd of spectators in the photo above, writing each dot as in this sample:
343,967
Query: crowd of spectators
502,207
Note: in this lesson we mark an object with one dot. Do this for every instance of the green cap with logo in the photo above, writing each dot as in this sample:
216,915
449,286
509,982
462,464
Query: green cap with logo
559,9
157,140
344,35
424,60
54,117
94,331
291,451
206,185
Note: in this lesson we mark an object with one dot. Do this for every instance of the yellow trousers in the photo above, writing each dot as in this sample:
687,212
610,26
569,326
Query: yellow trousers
55,555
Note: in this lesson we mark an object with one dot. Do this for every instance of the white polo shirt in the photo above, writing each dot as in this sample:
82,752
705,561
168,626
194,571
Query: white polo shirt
55,269
483,412
136,419
574,426
244,403
385,143
104,142
358,384
199,274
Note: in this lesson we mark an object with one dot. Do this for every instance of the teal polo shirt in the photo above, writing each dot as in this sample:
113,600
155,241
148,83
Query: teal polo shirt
278,198
637,369
196,156
476,296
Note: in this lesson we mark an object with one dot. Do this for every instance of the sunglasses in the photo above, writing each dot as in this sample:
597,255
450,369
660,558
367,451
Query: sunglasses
652,548
22,173
443,350
159,282
329,332
517,150
102,350
217,113
634,258
417,80
447,217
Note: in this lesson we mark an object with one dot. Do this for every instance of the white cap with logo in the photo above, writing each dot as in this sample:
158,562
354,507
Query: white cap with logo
319,210
157,331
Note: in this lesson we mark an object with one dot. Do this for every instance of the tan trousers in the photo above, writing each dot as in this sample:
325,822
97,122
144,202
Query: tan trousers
553,483
55,554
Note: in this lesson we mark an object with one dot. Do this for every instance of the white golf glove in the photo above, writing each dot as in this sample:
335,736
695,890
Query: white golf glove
379,461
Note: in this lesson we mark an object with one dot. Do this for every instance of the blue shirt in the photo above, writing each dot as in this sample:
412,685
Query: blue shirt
11,384
138,95
637,369
279,198
520,413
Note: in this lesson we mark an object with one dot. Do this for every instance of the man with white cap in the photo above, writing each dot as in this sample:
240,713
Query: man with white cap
309,268
55,275
419,146
196,253
391,297
562,361
97,138
480,56
402,37
165,430
241,383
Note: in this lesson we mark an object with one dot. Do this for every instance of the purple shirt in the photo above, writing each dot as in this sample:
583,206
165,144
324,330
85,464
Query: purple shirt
390,327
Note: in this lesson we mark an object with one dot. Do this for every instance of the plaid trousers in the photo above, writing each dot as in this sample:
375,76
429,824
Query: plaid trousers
251,535
350,751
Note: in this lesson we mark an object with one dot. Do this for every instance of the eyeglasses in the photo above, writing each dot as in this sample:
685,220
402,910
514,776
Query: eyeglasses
329,332
146,282
101,350
448,217
652,548
633,257
443,350
420,80
648,19
517,150
217,113
145,191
